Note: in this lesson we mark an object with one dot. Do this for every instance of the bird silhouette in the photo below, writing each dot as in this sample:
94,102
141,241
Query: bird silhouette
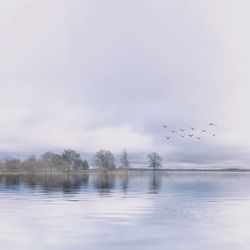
173,131
183,132
212,124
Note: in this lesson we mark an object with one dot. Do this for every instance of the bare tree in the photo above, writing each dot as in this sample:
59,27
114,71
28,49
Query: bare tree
51,158
72,158
154,161
54,161
12,163
32,164
105,160
85,165
124,160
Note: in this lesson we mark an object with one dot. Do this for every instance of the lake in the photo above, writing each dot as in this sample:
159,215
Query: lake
165,210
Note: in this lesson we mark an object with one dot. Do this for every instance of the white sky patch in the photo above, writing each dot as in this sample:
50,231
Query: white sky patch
9,8
119,138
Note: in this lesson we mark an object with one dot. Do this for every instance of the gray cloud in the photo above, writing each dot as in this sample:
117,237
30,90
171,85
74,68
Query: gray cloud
74,71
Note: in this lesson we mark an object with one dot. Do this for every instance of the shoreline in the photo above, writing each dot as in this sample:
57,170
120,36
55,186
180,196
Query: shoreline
119,171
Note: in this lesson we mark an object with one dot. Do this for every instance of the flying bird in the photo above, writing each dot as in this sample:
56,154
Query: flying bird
173,131
214,134
164,126
182,129
212,124
168,137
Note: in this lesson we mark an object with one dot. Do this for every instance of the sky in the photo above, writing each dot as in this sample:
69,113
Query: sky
89,74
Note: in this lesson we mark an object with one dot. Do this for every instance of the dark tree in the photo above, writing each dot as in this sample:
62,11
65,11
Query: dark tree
12,164
81,165
32,164
54,161
72,158
85,165
154,161
105,160
124,160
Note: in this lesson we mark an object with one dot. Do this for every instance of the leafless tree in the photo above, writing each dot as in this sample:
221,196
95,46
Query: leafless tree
54,161
124,160
105,160
154,161
32,164
12,163
72,158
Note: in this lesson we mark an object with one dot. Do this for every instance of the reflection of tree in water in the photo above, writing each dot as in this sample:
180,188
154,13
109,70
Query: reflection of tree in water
66,183
74,183
124,181
47,182
155,182
10,180
104,182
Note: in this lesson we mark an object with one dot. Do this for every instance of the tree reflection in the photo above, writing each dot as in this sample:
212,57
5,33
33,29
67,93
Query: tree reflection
124,181
10,180
155,182
46,182
104,182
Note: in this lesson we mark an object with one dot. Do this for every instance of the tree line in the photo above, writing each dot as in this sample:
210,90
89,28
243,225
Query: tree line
70,160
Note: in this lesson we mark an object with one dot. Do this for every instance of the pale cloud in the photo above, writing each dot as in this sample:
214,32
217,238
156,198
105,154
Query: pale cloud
106,74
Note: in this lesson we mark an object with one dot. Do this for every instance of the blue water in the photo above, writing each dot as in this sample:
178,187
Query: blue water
186,210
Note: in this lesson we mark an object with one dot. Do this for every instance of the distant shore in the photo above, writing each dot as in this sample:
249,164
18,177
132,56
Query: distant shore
132,170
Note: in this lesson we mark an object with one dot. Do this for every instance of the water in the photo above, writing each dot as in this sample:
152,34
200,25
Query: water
186,210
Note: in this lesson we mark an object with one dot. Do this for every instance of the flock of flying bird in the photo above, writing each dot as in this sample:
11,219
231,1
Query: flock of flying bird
191,132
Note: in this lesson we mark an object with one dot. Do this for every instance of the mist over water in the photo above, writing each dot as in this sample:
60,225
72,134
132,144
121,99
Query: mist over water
125,211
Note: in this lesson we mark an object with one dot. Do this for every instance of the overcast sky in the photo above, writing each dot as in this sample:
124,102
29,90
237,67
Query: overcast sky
91,74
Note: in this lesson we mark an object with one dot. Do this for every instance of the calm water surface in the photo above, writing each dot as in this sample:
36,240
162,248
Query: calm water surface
125,211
